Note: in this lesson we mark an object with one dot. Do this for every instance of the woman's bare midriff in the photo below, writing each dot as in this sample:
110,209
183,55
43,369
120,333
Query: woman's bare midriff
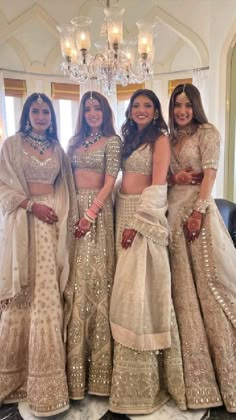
88,180
37,188
134,183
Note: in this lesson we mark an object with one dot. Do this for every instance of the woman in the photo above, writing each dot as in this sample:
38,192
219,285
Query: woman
35,182
141,307
95,152
202,257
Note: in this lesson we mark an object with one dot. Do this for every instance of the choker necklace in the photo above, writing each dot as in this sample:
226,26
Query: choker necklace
181,133
38,142
92,139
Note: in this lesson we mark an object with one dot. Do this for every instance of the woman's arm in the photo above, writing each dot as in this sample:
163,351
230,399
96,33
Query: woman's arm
161,160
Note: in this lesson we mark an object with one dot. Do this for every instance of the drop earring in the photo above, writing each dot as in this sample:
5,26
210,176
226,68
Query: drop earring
50,128
27,126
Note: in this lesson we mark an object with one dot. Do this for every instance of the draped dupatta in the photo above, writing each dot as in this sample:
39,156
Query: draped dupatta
141,298
14,222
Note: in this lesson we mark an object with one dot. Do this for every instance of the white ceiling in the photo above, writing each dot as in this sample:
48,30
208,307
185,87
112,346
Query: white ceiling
29,41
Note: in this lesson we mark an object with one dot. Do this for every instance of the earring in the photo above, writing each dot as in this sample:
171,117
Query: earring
155,118
27,126
131,121
50,128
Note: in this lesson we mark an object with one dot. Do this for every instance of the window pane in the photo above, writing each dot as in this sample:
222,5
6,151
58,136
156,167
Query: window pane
66,127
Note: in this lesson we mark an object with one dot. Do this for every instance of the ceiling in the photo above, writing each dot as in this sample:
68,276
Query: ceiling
29,40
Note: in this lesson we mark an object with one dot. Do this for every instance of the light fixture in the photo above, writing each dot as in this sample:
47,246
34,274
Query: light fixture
116,64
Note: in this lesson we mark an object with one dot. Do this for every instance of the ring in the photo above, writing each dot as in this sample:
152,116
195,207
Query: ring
193,182
82,231
129,241
194,233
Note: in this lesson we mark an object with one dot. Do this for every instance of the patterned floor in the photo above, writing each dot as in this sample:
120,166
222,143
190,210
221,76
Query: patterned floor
11,412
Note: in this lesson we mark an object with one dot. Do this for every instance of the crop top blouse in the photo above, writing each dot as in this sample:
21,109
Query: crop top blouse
106,159
40,171
140,161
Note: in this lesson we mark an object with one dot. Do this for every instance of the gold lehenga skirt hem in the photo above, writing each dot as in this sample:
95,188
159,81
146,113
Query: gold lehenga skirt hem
162,400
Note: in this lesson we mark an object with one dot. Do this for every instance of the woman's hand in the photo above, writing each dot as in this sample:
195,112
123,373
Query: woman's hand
44,213
128,237
193,226
82,227
187,177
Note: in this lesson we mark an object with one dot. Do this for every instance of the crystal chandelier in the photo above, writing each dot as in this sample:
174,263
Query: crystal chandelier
116,64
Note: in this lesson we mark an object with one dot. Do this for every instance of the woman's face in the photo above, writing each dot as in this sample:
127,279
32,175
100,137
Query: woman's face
93,114
39,117
183,110
142,111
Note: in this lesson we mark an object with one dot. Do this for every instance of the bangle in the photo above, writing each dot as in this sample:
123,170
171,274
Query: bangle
91,214
90,219
201,205
29,205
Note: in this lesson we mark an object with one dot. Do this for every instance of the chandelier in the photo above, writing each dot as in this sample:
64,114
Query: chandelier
116,63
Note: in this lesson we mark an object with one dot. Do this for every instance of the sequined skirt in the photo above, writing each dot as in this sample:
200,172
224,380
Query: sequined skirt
203,282
32,362
89,338
144,381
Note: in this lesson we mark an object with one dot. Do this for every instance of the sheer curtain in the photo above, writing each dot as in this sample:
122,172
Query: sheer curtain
200,80
3,124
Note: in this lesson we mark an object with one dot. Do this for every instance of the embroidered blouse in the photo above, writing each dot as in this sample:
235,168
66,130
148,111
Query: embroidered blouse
106,159
140,161
40,171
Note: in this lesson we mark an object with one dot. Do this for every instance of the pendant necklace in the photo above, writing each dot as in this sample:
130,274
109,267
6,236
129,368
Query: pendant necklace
92,139
38,142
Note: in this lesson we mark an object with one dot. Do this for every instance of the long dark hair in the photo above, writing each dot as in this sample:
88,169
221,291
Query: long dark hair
24,119
193,94
132,138
82,129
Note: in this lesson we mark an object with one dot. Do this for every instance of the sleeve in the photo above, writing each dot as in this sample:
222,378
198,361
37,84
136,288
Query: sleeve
209,144
113,156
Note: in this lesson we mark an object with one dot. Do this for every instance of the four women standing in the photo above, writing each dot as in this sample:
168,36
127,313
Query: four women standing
38,211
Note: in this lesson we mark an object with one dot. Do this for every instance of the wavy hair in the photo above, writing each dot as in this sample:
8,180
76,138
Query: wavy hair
193,94
83,130
132,138
52,133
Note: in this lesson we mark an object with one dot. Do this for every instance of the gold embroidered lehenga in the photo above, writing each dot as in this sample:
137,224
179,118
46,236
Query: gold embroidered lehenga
35,257
203,284
89,359
142,381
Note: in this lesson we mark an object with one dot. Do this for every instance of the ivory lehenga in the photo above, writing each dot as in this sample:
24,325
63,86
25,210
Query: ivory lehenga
89,360
204,283
34,267
147,357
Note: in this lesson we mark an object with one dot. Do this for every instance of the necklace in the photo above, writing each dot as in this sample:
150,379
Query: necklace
92,139
181,133
38,142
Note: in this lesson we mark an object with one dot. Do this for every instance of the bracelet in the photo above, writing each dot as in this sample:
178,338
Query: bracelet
90,219
201,205
29,205
91,214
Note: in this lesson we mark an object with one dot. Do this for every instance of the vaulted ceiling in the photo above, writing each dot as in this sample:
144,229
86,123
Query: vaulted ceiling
29,40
